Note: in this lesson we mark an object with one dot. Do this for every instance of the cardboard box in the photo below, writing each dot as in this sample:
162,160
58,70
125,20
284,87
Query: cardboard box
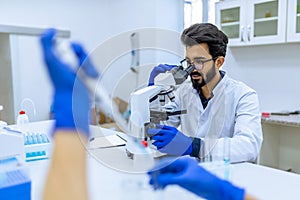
98,117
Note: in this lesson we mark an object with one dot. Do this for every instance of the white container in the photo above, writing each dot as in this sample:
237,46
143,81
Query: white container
22,121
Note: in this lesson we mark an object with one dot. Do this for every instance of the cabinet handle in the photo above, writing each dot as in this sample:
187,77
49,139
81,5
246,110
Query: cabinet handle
248,32
242,33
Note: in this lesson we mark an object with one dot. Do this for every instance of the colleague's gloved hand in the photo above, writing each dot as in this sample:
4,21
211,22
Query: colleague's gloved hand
71,103
186,173
170,140
162,68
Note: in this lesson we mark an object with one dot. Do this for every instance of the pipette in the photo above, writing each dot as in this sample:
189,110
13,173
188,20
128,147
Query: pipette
104,102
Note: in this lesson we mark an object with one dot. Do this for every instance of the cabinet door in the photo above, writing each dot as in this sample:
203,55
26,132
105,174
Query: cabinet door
293,25
230,18
266,21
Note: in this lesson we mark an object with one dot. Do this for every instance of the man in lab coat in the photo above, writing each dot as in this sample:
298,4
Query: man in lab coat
218,107
67,172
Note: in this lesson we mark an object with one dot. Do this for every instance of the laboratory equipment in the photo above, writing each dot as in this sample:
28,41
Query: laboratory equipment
144,116
26,146
11,144
181,73
37,146
14,181
159,69
22,121
226,158
220,165
100,95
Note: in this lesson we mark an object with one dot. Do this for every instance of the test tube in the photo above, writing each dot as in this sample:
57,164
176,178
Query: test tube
226,150
226,158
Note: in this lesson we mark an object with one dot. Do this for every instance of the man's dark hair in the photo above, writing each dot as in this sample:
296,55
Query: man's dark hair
206,33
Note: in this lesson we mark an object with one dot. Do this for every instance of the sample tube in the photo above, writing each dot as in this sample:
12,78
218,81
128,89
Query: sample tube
226,150
226,158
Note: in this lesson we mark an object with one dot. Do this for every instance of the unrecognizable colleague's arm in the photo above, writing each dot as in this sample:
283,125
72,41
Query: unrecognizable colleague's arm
67,172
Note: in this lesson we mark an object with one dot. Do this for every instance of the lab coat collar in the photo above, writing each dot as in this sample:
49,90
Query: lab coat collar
221,83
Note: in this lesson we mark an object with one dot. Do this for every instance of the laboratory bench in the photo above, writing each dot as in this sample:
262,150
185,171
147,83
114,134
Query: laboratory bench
291,120
109,175
281,146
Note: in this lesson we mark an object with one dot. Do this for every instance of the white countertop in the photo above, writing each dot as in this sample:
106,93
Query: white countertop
104,182
285,120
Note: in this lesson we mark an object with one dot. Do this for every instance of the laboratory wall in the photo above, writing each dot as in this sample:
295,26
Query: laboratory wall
272,70
94,23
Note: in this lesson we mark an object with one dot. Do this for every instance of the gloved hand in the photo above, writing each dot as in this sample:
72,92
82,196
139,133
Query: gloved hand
162,68
170,140
71,103
186,173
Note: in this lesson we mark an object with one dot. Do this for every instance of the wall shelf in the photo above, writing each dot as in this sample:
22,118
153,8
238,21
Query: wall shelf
266,19
32,31
230,24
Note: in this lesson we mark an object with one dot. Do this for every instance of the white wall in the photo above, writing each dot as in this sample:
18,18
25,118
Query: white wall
90,22
272,70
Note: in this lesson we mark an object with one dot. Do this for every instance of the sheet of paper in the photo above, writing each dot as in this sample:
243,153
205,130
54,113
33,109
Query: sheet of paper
106,141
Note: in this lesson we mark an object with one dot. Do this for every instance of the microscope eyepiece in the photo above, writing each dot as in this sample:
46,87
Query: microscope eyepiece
180,74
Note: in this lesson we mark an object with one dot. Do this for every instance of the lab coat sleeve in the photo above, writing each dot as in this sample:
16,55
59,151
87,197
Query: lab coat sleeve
247,138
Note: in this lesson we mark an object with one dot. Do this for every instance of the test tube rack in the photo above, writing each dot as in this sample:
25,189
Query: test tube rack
36,145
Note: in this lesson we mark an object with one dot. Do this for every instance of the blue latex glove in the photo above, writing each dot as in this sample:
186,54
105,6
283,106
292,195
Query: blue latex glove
162,68
170,140
186,173
71,103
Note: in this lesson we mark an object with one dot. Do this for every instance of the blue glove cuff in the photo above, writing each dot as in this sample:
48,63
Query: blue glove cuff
62,122
195,147
189,150
67,118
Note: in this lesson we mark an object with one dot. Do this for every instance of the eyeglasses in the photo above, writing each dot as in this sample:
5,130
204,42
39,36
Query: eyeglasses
198,63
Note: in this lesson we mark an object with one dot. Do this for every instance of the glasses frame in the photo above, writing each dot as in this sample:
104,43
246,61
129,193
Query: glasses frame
201,62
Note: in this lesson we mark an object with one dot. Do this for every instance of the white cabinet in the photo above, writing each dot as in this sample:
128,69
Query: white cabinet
252,22
293,22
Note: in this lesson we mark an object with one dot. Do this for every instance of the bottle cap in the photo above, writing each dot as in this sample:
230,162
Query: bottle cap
22,112
144,143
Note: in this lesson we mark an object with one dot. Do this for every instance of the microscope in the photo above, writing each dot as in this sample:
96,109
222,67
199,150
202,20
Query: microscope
146,112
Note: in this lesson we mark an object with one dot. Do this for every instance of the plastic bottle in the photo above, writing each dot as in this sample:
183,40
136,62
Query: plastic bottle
22,121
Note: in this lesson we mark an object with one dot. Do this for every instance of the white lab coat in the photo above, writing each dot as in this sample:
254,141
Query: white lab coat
232,112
